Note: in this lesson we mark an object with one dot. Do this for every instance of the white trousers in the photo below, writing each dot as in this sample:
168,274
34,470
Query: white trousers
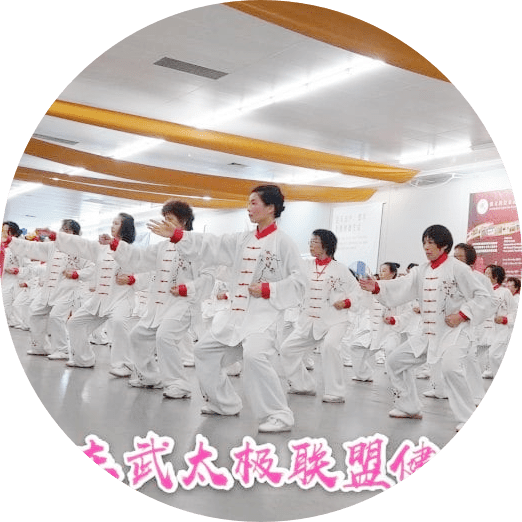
402,364
474,374
362,359
166,342
297,345
83,323
261,384
497,351
46,319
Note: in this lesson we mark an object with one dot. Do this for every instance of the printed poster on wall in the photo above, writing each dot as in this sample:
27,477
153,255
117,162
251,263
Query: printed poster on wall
494,230
356,228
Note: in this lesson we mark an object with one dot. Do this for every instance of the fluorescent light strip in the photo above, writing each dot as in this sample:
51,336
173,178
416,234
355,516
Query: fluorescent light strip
294,90
137,147
24,189
436,154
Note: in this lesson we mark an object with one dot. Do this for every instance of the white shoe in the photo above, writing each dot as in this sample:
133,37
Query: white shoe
207,410
361,380
234,369
432,394
36,352
122,371
459,426
347,363
398,414
488,374
136,383
293,391
175,393
273,425
56,356
334,399
72,364
423,375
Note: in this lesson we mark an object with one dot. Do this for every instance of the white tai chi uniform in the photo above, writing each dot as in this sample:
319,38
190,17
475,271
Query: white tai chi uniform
444,287
58,295
109,301
273,259
507,309
320,320
165,326
10,282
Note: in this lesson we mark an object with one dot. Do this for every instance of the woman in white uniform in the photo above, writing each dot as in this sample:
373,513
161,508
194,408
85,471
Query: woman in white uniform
266,279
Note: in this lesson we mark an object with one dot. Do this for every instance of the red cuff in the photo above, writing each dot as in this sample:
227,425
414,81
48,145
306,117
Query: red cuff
182,290
132,280
377,288
114,244
16,270
176,237
52,236
464,316
504,320
265,290
75,275
347,303
392,320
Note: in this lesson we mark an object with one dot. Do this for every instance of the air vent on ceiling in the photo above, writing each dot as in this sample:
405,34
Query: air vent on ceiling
190,68
57,140
432,180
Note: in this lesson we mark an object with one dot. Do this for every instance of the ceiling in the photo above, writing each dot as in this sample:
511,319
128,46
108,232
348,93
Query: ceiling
387,116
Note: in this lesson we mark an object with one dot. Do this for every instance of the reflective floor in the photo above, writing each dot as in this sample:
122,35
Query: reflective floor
92,402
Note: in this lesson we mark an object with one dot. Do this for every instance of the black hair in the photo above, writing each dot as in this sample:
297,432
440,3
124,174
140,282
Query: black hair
440,235
515,281
12,228
181,210
328,240
271,195
394,268
127,231
412,265
469,252
498,273
72,225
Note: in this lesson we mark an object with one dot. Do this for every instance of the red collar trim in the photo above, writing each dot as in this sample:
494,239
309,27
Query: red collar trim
496,286
322,262
268,230
439,260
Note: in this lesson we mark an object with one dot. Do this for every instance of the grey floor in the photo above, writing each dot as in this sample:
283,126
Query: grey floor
91,401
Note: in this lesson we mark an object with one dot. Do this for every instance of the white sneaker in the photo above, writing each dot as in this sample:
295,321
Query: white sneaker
432,394
293,391
334,399
175,393
234,369
122,371
136,383
37,352
488,374
56,356
398,414
273,425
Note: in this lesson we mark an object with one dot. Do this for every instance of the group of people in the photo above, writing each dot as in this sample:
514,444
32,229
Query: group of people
250,299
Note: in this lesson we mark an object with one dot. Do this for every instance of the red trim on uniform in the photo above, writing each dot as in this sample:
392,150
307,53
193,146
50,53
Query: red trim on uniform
182,289
377,288
132,280
16,270
322,262
347,303
75,275
52,236
176,237
268,230
265,290
392,320
114,244
439,260
496,286
464,316
504,320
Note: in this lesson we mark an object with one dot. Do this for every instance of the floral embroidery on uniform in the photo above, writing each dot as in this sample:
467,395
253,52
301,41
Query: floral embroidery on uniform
270,263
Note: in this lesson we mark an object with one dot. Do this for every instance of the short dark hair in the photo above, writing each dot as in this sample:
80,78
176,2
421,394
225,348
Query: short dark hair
411,265
181,210
440,235
127,230
394,268
498,273
12,228
271,195
515,281
328,240
72,225
469,252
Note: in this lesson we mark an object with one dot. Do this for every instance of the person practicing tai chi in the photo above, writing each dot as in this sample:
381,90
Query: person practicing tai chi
331,290
449,296
174,301
266,279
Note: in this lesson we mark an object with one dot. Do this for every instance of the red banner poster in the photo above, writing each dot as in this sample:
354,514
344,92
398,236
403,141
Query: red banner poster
494,231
